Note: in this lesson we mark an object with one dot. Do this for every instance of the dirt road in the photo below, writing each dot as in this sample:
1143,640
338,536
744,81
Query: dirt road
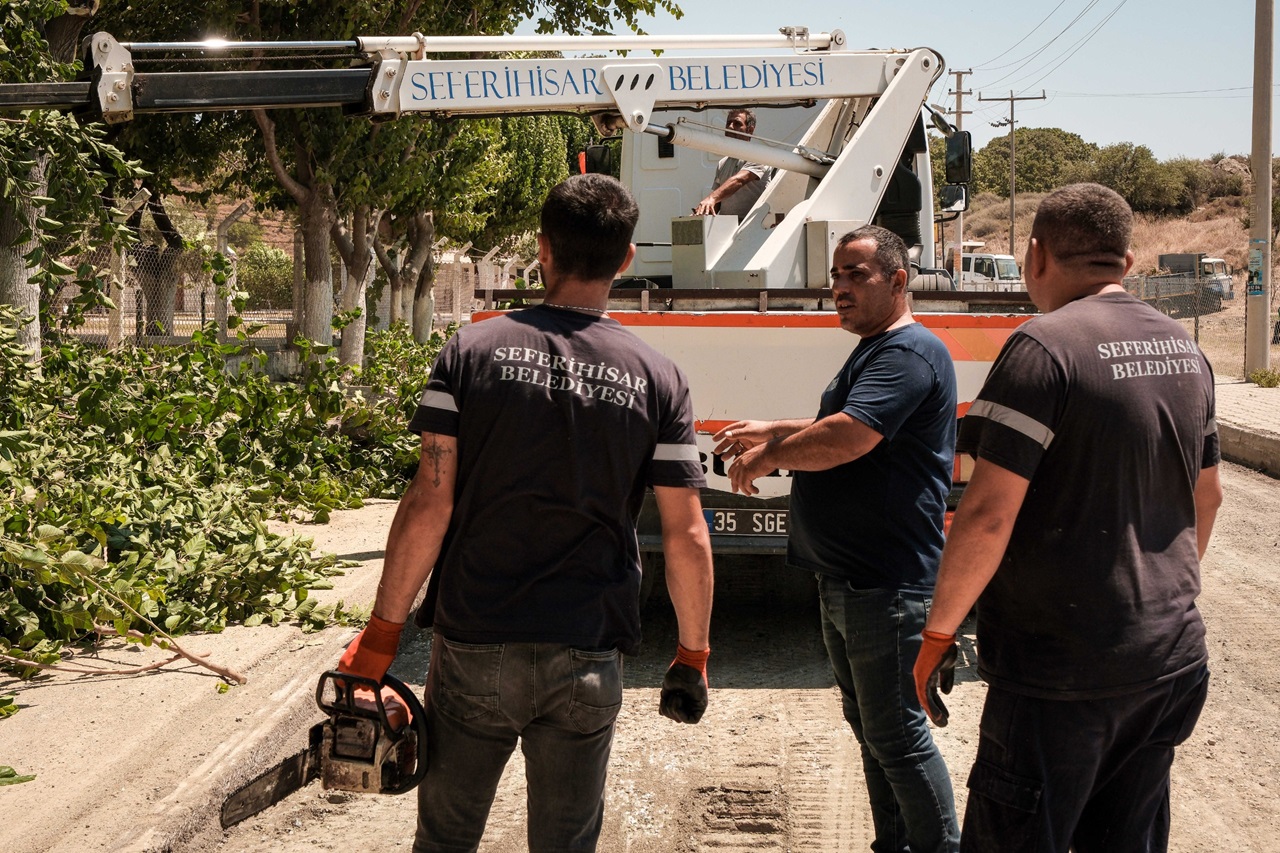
142,764
773,765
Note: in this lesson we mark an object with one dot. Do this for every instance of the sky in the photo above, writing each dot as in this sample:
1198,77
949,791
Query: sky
1173,75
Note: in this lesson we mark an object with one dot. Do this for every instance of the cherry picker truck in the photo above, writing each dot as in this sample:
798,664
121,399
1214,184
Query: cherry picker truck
742,306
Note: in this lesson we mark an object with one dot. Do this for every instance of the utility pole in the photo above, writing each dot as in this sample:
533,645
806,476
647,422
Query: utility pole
1013,99
1257,306
960,112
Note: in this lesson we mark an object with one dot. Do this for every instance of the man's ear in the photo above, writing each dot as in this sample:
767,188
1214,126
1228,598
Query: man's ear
631,254
1128,261
900,281
1037,259
544,250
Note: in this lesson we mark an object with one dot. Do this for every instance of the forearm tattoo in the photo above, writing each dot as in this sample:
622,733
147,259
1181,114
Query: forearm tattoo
435,454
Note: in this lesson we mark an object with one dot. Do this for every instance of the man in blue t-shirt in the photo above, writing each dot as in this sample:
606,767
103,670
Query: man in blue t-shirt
870,478
540,431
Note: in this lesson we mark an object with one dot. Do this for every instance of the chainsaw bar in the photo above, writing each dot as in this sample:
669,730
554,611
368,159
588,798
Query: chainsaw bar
290,775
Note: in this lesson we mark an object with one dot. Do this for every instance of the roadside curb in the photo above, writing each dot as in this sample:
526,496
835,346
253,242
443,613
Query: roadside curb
1253,449
1249,425
144,763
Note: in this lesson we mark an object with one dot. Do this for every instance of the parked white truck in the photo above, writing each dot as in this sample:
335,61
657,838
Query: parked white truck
985,271
743,307
1185,283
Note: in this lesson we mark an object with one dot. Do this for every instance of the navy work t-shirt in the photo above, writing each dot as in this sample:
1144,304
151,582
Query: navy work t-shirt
877,521
1106,406
562,419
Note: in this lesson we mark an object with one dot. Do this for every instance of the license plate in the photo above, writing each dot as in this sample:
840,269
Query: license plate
746,522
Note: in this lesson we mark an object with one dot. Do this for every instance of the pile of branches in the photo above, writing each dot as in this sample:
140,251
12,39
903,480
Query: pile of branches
135,485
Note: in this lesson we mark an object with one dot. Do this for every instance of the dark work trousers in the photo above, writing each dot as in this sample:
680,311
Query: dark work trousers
558,703
873,638
1086,775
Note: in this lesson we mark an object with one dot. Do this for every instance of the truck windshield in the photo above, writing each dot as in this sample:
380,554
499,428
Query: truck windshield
1008,269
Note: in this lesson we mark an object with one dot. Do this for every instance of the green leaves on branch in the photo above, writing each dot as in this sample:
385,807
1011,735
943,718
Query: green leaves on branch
9,776
135,485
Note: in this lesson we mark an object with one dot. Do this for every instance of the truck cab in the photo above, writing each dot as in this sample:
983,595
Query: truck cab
984,271
1217,278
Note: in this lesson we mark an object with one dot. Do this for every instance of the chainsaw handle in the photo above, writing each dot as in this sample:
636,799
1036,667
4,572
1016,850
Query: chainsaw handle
344,685
417,719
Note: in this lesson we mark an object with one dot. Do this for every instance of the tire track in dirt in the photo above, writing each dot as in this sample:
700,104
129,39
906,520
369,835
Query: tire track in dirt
824,780
795,792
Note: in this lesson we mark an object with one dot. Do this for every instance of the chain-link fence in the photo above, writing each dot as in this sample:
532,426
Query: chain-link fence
163,296
1183,296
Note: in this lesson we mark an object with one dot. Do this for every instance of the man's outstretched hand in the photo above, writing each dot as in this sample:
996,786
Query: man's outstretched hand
684,688
372,651
935,670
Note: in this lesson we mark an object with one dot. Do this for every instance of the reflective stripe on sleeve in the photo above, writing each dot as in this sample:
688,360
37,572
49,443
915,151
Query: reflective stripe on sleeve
438,400
1031,428
676,453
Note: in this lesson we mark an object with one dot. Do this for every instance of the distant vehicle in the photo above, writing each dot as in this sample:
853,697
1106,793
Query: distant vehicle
986,271
1190,283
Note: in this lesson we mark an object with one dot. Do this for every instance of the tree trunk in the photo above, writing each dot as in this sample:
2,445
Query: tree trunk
423,235
351,353
356,247
158,280
317,314
412,274
16,287
396,300
424,303
316,217
159,273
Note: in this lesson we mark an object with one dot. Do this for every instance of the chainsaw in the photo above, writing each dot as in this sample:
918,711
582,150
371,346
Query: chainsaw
367,745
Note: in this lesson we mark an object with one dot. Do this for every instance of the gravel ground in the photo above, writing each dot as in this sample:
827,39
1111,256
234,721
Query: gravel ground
144,763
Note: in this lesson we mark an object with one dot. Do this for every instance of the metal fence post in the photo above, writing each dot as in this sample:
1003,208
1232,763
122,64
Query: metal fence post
115,292
222,303
299,288
116,286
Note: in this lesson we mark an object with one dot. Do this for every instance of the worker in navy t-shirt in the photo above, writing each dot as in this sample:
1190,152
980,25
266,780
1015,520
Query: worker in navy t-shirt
870,477
541,430
1080,536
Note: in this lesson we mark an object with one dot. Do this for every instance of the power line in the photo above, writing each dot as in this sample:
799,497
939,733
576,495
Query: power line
1031,57
1021,40
1177,93
1080,44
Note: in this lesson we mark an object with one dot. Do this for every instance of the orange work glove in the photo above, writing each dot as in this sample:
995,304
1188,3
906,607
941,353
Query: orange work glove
935,669
372,651
684,689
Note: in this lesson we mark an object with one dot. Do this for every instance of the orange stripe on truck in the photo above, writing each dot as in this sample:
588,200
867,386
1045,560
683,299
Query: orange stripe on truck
999,324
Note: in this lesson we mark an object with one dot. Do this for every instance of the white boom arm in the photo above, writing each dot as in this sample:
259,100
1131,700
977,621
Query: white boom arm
834,178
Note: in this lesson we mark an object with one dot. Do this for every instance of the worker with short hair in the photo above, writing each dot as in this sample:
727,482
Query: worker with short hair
1080,536
540,431
738,183
870,478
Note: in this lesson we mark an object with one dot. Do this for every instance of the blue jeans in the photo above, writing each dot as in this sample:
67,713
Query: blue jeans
559,703
872,638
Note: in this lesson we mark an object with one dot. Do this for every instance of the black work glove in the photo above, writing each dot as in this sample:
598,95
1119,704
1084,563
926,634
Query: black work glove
935,670
684,687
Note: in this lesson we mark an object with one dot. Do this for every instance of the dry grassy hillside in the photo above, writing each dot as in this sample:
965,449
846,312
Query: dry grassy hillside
1216,229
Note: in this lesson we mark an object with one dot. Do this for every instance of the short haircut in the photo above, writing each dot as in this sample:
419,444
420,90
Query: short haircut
891,252
1085,225
750,115
588,221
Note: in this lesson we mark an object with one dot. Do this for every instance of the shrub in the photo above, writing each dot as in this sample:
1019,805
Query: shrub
266,274
1265,377
135,486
